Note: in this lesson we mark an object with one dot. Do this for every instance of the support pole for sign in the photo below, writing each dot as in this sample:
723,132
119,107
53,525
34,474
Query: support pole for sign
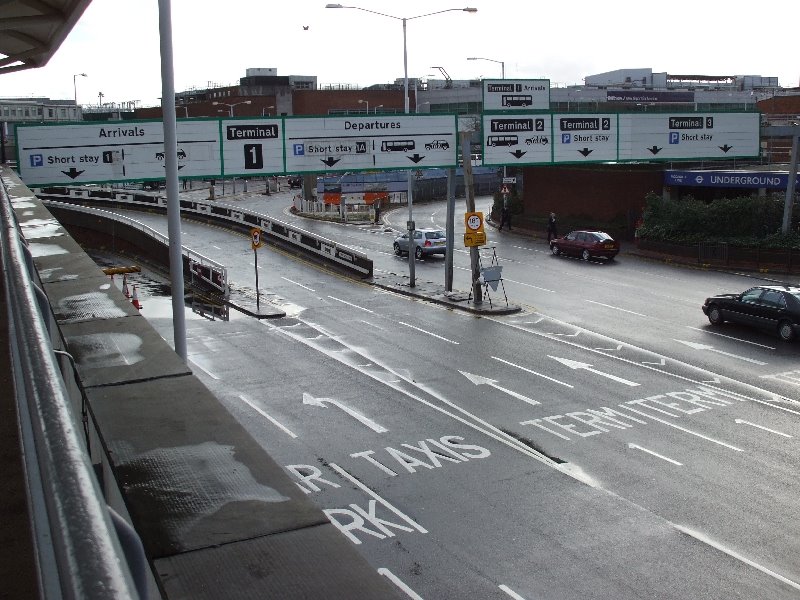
469,189
790,186
171,173
258,295
410,226
450,231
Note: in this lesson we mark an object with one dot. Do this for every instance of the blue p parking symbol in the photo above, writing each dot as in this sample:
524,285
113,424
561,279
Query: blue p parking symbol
674,137
298,149
37,160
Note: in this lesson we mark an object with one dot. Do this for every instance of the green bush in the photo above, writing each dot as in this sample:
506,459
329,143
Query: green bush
745,221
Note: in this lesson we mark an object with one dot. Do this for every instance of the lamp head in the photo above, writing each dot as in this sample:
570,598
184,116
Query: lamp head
334,6
470,10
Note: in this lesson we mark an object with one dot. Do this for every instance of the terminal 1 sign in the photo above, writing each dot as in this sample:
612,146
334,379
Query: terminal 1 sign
78,153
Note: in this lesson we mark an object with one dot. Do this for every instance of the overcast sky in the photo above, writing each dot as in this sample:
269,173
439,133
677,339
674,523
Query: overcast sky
117,43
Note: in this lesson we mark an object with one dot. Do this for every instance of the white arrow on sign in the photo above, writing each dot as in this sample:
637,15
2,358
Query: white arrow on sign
696,346
479,380
311,400
574,364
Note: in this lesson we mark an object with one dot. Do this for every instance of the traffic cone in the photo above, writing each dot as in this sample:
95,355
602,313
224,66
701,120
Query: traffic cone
125,286
135,300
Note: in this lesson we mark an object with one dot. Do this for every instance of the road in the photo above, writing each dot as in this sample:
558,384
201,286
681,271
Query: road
605,442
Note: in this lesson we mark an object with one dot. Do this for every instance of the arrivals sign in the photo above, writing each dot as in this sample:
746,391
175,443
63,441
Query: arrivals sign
516,94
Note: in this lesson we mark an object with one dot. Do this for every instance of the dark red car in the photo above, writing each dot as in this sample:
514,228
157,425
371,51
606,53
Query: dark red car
587,244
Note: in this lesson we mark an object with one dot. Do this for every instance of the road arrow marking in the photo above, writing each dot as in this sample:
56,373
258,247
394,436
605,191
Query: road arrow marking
743,422
309,399
696,346
573,364
479,380
656,454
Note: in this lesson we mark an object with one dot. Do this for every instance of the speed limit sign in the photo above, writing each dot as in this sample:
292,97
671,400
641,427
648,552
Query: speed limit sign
474,221
255,238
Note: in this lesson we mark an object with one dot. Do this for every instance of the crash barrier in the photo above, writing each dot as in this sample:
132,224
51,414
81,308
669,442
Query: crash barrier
272,230
81,543
198,269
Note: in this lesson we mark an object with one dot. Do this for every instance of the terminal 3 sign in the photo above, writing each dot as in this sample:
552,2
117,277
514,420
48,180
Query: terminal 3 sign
536,138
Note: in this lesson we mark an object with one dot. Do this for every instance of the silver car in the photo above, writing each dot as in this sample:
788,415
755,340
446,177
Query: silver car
426,242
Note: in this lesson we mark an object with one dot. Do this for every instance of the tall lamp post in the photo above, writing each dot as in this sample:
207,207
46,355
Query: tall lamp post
75,85
411,257
502,64
230,106
265,109
503,75
375,110
365,102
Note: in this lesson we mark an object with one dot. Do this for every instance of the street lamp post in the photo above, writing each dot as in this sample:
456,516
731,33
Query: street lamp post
503,75
365,102
502,64
266,108
411,257
375,110
75,85
230,106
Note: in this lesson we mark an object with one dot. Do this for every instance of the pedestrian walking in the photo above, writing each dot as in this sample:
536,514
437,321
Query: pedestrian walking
551,227
505,218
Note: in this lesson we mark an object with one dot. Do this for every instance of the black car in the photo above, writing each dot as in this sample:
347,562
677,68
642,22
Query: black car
294,181
774,308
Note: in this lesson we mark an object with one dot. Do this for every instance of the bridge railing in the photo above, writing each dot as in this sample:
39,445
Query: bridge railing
76,536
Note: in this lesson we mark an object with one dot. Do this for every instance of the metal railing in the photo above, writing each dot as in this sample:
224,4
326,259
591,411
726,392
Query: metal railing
77,548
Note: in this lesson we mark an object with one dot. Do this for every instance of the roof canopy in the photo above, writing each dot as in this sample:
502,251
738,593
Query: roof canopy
32,30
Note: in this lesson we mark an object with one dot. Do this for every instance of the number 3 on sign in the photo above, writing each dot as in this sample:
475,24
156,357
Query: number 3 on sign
255,238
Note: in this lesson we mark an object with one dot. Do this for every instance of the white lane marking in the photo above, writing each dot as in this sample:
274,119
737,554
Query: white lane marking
253,264
536,287
574,364
428,332
203,369
756,390
511,592
469,419
619,309
696,346
280,426
351,304
480,380
730,337
312,401
395,580
300,284
743,422
689,431
216,247
374,495
532,372
656,454
707,540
